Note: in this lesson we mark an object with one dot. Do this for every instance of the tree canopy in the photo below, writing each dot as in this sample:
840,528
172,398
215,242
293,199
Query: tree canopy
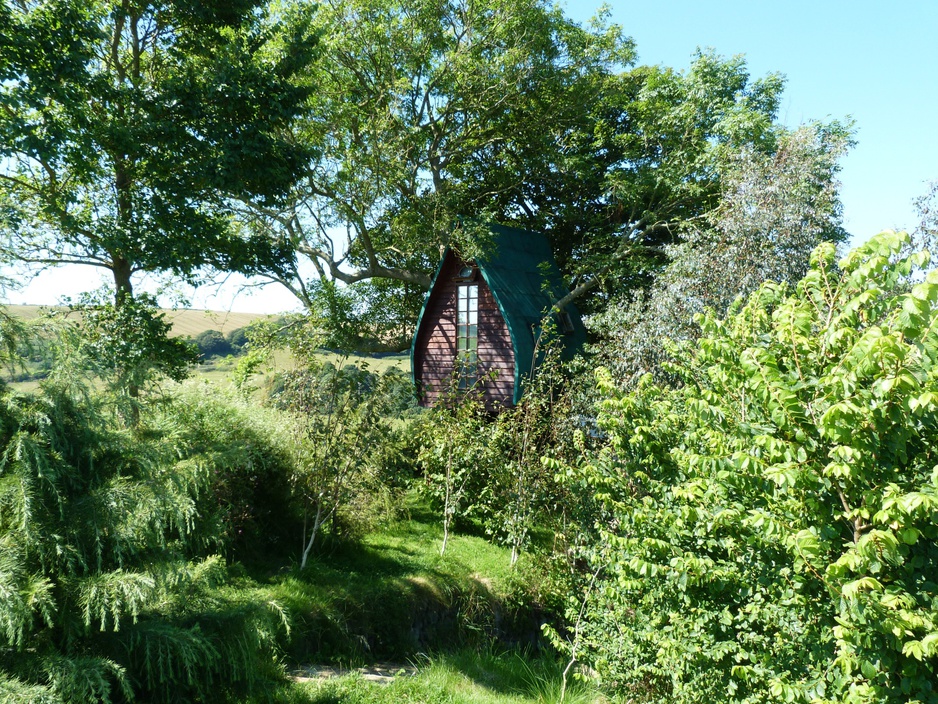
773,210
505,110
126,127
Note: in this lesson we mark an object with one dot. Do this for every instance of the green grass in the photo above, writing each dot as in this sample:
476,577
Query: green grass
218,372
466,676
391,597
392,594
378,365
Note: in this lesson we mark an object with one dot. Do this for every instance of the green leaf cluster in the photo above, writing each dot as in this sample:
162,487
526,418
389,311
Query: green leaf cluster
106,590
345,446
770,521
126,128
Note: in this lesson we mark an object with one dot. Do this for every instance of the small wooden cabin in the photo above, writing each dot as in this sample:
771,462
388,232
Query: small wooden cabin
481,319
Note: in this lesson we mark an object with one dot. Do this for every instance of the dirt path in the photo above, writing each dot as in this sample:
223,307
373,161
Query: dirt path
382,673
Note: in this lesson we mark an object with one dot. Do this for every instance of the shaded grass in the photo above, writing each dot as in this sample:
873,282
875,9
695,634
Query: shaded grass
392,594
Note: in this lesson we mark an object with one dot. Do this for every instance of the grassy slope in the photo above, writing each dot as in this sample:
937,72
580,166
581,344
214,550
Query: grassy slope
185,322
366,602
392,594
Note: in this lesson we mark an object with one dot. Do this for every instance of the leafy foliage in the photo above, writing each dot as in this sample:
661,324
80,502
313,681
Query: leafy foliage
774,209
442,115
246,509
451,100
770,524
346,450
455,450
344,445
515,495
128,345
128,126
212,343
925,235
105,594
238,339
486,466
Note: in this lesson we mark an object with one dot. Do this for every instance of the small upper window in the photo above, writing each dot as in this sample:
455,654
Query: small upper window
466,272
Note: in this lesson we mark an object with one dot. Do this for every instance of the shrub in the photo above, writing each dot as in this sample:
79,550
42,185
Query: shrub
128,345
772,521
212,343
237,338
344,443
246,510
100,599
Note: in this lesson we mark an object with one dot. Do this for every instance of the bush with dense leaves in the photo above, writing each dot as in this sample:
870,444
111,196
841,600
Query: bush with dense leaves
347,452
245,452
771,522
107,592
212,343
237,338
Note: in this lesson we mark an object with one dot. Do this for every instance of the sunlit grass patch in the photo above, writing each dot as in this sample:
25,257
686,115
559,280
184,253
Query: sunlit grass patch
468,676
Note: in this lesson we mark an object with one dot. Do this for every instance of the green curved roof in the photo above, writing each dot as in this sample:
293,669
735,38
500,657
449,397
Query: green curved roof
520,270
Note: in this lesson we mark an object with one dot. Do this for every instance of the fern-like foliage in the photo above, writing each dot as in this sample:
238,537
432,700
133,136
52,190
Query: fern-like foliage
106,594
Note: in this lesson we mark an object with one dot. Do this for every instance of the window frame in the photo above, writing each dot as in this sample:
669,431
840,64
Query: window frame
467,335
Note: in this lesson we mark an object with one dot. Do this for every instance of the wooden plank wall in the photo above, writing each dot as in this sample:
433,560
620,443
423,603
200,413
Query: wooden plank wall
434,358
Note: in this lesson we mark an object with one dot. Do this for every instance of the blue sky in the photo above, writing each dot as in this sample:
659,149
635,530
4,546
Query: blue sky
873,62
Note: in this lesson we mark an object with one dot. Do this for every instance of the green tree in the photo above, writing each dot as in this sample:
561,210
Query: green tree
925,233
128,126
455,450
504,110
238,339
129,345
514,494
106,591
770,523
343,439
212,343
773,210
651,164
420,109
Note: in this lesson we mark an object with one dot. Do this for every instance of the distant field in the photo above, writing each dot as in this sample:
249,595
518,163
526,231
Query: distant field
186,323
189,323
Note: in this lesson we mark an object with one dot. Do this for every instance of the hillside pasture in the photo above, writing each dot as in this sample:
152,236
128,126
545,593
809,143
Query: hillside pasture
186,322
190,323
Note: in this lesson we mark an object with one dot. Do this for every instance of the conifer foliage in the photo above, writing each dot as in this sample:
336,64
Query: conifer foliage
102,597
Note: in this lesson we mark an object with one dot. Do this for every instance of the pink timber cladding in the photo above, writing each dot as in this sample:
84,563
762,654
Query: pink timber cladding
435,352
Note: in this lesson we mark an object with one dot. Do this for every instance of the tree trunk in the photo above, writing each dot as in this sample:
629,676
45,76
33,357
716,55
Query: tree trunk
317,521
123,288
124,293
121,267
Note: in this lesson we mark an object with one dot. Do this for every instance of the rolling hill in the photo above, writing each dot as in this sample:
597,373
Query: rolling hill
186,323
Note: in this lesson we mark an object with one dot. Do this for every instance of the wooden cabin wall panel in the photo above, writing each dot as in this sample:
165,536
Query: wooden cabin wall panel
495,393
436,343
495,351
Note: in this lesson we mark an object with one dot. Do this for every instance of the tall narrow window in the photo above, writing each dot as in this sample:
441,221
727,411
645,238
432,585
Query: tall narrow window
467,335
